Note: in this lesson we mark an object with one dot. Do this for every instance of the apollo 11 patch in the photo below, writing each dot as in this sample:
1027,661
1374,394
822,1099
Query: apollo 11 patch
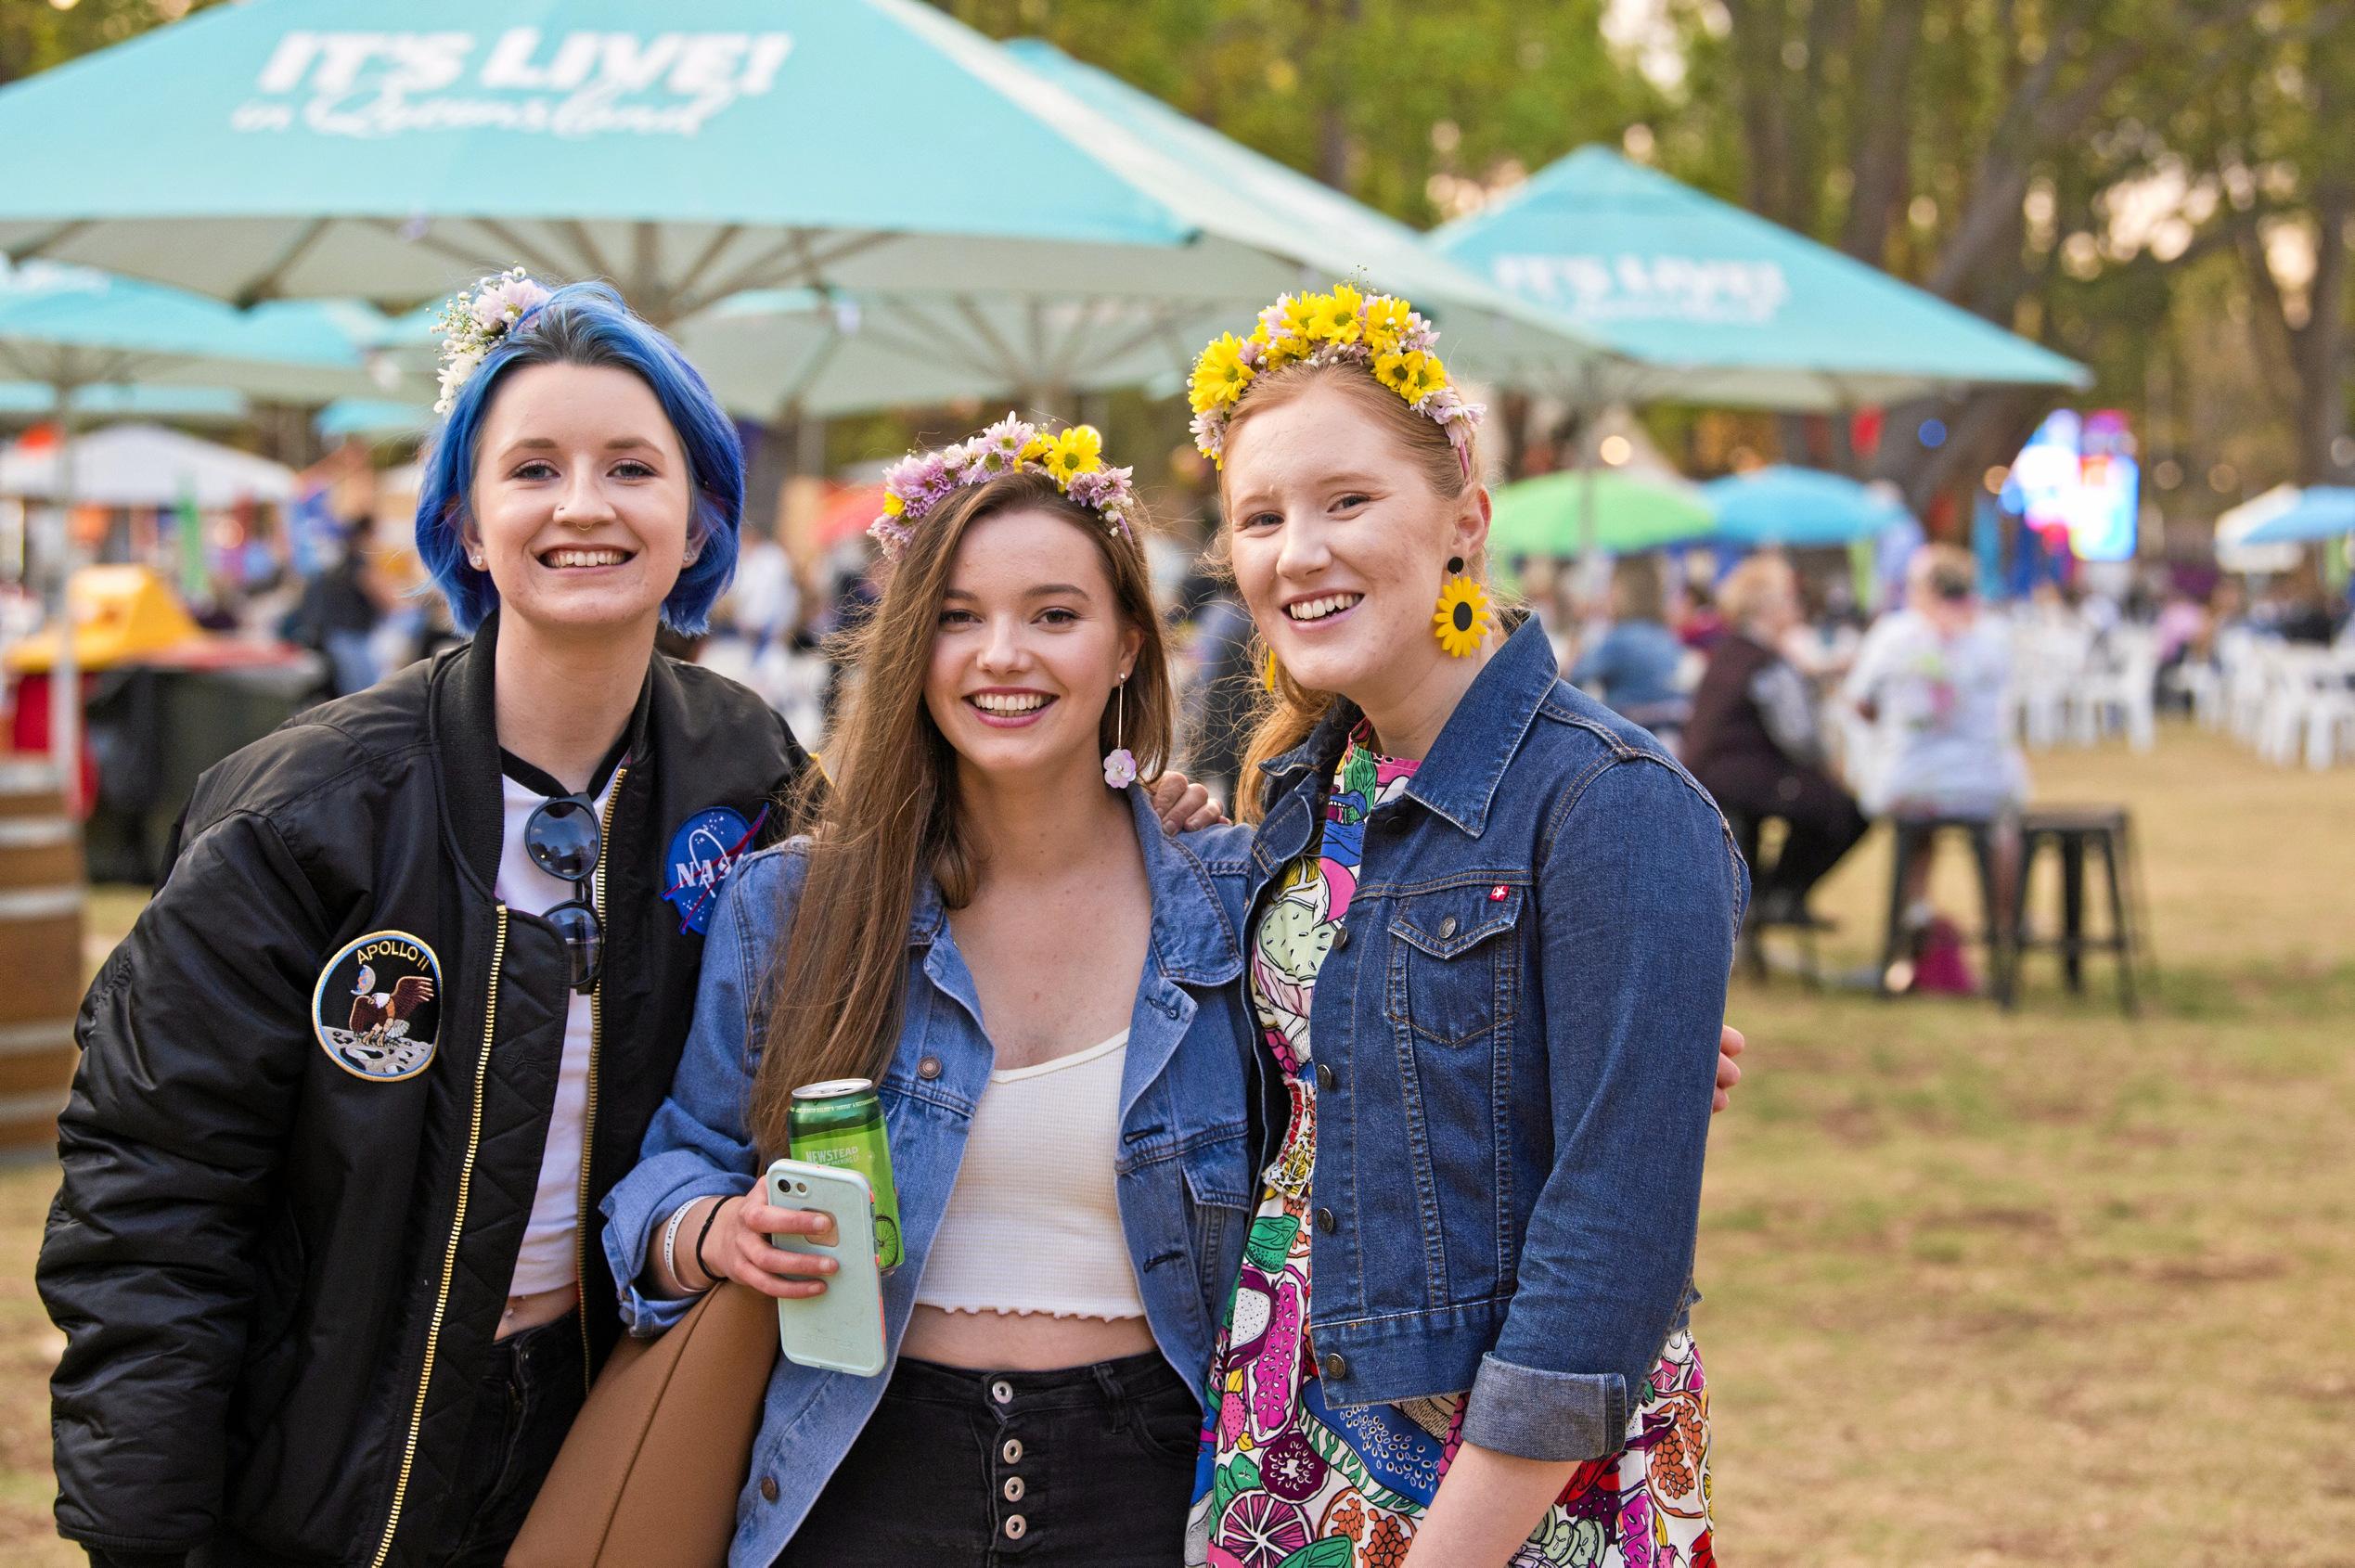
376,1009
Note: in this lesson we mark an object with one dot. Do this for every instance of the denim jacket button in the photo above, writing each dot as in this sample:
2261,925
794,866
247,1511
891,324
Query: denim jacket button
1326,1222
1326,1076
1333,1366
1446,928
768,1488
928,1068
1339,938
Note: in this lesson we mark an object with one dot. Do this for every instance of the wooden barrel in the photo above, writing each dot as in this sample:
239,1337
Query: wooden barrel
42,896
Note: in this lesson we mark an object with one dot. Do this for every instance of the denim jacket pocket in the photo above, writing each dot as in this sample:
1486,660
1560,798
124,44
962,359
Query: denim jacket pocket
1458,961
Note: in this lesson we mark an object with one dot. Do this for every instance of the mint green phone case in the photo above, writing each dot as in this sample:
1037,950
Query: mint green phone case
841,1330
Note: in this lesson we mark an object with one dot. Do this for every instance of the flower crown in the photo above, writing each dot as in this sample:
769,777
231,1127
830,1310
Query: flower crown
472,325
1075,460
1381,332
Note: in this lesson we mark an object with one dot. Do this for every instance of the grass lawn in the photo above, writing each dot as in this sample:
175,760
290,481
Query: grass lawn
2050,1288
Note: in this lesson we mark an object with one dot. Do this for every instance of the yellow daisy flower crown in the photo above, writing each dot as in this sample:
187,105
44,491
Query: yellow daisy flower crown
1381,332
1075,460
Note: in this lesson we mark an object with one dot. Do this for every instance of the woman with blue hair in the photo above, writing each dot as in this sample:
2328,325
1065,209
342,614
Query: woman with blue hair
416,984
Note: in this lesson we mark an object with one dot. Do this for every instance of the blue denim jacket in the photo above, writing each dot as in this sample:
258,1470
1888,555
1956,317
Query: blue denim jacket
1516,1039
1184,1156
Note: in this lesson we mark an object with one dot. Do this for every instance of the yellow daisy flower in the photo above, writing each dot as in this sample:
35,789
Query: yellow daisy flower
893,506
1300,315
1036,449
1386,317
1425,375
1077,451
1336,315
1395,370
1463,620
1219,374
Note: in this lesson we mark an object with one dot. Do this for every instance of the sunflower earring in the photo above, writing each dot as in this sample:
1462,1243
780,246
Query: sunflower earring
1268,676
1120,767
1463,620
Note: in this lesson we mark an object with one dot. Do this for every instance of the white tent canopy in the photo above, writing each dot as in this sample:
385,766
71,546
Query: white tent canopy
144,466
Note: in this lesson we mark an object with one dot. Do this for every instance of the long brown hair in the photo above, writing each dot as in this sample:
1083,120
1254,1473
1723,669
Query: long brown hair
1286,715
892,814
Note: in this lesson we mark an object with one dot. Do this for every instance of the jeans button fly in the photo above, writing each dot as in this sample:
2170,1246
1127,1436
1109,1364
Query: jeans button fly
1002,1392
1017,1527
1012,1451
1014,1488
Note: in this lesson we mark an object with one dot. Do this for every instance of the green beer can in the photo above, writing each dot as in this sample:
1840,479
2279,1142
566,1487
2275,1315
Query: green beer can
840,1123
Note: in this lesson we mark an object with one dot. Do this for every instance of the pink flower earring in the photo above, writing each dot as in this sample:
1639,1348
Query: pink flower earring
1120,768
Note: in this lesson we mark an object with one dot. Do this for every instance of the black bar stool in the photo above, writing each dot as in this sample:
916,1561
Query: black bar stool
2071,832
1914,837
1747,833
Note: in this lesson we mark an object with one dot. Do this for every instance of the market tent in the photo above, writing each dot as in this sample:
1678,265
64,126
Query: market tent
321,148
143,465
1800,508
2302,517
1575,513
1720,306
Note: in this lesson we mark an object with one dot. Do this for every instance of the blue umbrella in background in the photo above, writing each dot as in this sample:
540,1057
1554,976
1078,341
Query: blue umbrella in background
1721,306
373,419
2308,516
1800,509
25,401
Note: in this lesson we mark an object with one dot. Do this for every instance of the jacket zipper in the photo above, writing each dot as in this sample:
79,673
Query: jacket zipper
589,1112
449,1256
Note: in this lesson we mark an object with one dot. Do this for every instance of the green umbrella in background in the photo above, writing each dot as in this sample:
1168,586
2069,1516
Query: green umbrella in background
1551,516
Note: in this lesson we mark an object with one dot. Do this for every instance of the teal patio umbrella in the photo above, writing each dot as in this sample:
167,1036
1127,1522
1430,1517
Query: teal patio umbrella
1719,306
875,148
29,401
1799,508
373,419
1576,512
70,327
2308,516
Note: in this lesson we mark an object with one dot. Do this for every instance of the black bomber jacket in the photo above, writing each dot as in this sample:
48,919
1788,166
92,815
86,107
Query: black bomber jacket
307,1129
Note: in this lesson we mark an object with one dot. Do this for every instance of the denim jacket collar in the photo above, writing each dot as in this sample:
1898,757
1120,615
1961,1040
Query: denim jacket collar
1193,941
1459,779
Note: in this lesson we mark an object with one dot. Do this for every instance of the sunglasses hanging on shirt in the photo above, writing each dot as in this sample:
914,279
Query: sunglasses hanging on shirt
563,838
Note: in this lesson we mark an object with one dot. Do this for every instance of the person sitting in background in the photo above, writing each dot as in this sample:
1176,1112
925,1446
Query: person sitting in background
1632,666
1930,678
1754,743
1696,619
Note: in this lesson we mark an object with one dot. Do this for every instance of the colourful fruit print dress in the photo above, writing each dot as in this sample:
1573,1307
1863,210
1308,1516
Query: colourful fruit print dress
1285,1480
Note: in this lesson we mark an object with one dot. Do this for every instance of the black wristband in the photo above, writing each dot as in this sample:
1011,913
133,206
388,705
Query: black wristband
700,1266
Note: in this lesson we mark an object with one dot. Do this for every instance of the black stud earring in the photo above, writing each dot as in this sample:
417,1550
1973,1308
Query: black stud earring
1455,566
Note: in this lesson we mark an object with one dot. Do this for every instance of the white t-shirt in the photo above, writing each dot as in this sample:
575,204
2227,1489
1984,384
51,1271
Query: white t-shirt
549,1257
1939,740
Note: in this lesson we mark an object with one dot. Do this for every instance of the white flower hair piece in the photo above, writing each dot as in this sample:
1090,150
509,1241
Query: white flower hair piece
1075,460
473,324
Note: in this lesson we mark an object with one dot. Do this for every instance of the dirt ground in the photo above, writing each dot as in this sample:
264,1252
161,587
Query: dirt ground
2048,1287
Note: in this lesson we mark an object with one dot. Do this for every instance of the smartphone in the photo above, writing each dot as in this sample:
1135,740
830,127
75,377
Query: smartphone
842,1330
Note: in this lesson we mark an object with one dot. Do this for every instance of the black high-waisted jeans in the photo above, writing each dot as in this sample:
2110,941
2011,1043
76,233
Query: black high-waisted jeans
1087,1467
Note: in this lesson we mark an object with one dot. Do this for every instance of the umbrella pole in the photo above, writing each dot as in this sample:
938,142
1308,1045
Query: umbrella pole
65,675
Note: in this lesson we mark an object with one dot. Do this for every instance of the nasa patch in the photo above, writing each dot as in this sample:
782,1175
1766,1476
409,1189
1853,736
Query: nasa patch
376,1009
702,852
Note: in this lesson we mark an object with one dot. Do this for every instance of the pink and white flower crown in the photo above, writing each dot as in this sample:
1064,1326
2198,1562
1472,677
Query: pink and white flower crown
1075,460
472,324
1380,332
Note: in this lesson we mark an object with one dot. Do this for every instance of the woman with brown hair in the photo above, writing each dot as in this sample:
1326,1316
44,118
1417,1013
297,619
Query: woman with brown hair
1071,1178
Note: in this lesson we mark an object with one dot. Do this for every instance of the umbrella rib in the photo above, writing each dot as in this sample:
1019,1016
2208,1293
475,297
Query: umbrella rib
944,337
808,264
458,253
267,283
533,257
1008,360
685,290
63,232
577,232
818,360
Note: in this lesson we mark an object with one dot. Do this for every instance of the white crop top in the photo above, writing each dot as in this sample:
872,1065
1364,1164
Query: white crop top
1033,1225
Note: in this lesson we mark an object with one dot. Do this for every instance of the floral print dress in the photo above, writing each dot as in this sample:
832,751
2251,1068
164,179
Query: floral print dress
1286,1480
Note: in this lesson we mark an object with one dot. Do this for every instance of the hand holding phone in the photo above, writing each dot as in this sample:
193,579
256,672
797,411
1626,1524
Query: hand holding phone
742,1246
838,1325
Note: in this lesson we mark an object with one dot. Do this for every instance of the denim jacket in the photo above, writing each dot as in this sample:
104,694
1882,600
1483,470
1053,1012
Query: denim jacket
1516,1040
1184,1154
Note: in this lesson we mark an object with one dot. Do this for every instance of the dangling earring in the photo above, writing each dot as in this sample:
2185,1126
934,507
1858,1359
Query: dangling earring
1463,620
1120,767
1267,678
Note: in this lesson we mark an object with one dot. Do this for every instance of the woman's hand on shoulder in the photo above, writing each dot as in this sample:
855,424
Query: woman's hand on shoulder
738,1247
1184,805
1730,1045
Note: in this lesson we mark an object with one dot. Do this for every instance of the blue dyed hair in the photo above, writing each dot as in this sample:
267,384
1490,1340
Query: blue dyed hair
587,324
